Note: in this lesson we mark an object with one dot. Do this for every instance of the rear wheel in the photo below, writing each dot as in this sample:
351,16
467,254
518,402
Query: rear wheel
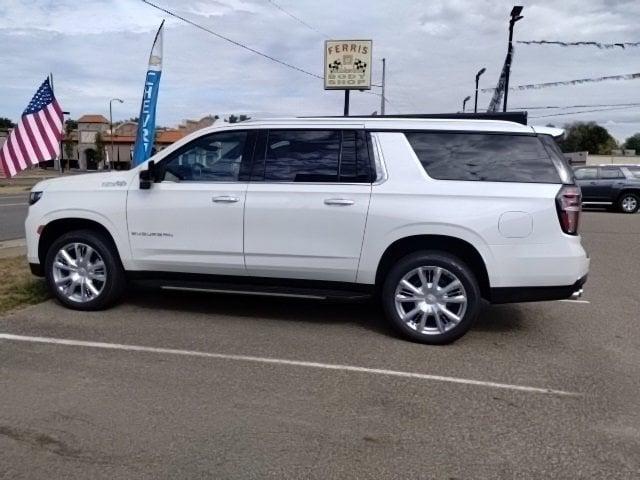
629,202
83,271
431,297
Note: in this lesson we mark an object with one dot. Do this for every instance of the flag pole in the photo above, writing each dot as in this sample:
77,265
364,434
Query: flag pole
61,138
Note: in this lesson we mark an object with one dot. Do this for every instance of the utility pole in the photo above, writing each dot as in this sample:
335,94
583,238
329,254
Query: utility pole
515,16
382,99
346,102
480,72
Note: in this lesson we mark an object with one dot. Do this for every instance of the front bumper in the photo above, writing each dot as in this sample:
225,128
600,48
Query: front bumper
36,269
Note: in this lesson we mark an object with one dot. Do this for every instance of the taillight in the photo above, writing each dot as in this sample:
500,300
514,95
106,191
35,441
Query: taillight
569,206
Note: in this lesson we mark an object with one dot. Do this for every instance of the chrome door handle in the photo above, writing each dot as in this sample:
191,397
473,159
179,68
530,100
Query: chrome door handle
338,201
225,199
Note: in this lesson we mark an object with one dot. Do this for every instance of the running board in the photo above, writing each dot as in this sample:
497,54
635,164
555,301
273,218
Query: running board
258,286
245,292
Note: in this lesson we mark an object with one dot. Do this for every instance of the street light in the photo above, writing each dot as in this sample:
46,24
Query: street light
515,16
464,102
480,72
111,125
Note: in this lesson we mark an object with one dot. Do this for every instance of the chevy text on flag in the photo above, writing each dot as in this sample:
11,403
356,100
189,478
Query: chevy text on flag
147,123
37,135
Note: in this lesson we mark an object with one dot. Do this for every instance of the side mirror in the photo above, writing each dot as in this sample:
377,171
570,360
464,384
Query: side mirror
148,176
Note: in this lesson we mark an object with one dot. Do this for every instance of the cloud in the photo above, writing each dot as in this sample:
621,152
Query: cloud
98,50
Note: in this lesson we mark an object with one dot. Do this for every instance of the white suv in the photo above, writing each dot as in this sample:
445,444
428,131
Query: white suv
432,216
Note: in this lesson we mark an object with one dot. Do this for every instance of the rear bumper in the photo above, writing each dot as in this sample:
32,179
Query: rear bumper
535,294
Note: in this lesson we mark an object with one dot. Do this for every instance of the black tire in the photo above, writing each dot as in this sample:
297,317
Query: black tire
432,258
114,282
626,199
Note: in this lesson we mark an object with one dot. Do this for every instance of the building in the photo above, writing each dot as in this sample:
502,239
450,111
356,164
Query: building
81,152
88,128
616,157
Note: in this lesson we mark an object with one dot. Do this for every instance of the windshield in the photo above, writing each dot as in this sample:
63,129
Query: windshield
634,171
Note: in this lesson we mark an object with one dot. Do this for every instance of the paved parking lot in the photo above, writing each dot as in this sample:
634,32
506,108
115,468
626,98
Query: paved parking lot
197,386
13,211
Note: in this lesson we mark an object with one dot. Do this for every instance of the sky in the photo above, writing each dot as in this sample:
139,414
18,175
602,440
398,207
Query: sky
98,50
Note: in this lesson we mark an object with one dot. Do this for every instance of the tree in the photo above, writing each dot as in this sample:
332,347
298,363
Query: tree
69,126
235,119
633,143
6,123
99,148
587,136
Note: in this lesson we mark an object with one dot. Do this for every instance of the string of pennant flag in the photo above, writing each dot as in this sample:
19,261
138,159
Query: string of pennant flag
536,86
605,46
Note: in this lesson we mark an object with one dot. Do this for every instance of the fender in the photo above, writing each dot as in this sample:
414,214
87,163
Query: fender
121,243
373,251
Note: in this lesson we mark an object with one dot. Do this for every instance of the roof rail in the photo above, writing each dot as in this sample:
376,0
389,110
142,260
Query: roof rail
517,117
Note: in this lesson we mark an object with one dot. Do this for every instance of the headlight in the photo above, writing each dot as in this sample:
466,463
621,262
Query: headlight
34,197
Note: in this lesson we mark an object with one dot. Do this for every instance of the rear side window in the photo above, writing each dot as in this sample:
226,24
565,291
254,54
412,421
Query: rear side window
609,173
323,156
483,157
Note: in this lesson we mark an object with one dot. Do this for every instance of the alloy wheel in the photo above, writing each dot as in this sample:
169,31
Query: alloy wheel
431,300
79,272
629,203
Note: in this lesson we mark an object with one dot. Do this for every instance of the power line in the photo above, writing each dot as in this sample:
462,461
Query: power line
585,111
297,19
238,44
234,42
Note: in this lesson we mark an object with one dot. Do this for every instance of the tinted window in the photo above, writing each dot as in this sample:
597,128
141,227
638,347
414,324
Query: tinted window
312,156
586,173
483,157
211,158
354,158
302,156
611,173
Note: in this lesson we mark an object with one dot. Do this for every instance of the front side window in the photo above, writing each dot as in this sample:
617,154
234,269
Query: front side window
483,157
610,173
212,158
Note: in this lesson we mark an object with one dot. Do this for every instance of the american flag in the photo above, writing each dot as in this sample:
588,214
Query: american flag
37,136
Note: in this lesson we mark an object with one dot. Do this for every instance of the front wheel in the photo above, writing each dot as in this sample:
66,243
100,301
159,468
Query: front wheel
83,271
431,297
629,203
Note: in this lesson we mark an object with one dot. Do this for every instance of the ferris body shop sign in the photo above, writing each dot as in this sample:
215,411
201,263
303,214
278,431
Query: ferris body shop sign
347,65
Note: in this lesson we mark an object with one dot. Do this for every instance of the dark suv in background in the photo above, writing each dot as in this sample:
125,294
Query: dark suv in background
614,185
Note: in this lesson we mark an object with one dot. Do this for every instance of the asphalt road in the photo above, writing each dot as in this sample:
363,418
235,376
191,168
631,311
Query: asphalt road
114,410
13,211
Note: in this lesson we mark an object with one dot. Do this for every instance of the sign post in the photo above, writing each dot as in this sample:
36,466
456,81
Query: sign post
347,66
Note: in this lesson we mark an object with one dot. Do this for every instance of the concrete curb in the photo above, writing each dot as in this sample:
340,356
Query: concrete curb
18,242
13,248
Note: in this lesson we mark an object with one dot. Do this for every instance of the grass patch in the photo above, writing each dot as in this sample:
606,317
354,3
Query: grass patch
18,287
13,189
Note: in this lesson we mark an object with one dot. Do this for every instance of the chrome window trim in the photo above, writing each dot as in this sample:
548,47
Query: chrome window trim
378,158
